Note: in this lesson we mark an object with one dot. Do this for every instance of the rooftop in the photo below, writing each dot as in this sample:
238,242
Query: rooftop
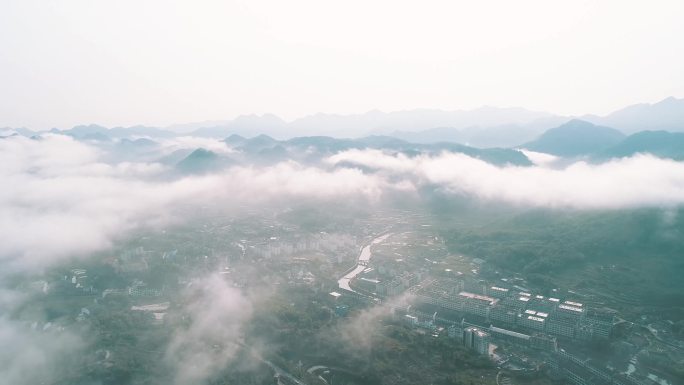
571,308
478,297
371,280
511,333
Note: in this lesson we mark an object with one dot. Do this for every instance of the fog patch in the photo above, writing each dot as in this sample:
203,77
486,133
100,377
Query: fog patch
358,331
33,352
211,328
540,158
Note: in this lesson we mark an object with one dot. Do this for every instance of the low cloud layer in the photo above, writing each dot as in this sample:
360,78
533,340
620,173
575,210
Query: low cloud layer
61,200
642,180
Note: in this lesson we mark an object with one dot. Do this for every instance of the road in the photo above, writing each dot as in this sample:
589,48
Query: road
282,373
287,377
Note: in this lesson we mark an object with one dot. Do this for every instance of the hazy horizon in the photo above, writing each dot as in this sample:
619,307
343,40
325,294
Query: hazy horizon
163,63
183,127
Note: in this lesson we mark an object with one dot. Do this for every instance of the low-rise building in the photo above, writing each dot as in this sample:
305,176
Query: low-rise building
498,292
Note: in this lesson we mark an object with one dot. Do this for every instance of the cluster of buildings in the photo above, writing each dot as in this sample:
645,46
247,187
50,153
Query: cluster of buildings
476,314
509,308
478,339
474,337
581,372
376,284
280,247
133,260
79,278
139,289
73,283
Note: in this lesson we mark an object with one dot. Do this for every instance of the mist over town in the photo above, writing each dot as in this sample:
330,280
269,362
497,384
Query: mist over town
320,193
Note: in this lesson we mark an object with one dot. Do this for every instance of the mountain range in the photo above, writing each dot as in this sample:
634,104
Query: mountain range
662,144
579,138
574,139
668,115
482,127
264,149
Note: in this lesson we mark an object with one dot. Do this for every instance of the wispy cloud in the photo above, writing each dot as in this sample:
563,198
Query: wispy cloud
216,313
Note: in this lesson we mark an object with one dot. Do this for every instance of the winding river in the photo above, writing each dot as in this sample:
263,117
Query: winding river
364,257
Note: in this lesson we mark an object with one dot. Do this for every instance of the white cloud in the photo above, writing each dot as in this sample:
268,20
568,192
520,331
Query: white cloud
193,142
362,327
60,200
642,180
540,158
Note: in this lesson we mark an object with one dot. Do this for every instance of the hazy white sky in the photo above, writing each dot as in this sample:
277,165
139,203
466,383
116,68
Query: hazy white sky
158,62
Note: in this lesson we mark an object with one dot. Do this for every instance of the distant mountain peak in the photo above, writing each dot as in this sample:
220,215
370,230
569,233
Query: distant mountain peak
662,144
574,138
263,137
670,100
200,161
667,114
235,139
577,123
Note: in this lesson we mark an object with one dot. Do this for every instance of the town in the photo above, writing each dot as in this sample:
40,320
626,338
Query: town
393,260
522,331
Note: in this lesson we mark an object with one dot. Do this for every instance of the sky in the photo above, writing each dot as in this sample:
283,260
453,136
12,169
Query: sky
162,62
